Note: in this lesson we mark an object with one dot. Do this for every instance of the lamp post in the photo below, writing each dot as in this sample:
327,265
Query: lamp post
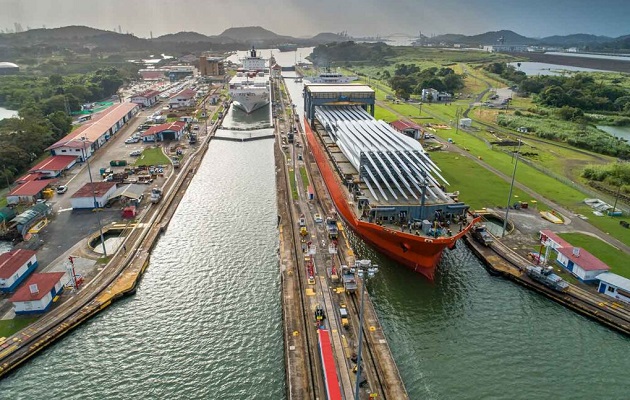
364,270
616,198
507,209
98,216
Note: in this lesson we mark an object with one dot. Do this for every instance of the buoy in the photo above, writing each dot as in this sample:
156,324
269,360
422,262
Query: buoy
296,333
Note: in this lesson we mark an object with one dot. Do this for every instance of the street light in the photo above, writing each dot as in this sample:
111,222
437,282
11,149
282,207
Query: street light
365,270
98,216
507,209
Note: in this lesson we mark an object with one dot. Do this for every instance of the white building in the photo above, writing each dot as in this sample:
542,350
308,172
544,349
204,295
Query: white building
146,98
507,48
185,98
582,264
39,292
15,266
614,286
465,122
86,195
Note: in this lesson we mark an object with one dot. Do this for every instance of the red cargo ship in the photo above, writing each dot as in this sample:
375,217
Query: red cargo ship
419,252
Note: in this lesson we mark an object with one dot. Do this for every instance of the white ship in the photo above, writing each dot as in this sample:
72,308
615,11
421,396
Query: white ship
249,88
329,77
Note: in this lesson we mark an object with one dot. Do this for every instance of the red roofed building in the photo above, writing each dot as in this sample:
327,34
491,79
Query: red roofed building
183,99
28,177
146,98
83,141
15,266
39,292
53,166
548,238
86,195
581,263
408,128
28,192
168,131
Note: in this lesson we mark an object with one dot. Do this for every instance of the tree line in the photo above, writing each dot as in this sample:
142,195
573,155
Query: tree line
44,105
579,91
409,79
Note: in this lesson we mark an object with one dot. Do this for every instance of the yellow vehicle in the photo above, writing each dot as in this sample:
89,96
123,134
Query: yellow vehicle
343,313
303,231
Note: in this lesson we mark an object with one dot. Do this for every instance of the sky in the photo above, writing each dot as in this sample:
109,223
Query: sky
300,18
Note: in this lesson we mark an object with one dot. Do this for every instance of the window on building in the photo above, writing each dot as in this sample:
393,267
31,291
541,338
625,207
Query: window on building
611,289
28,264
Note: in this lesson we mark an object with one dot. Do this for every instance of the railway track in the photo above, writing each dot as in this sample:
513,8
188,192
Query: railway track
605,309
368,355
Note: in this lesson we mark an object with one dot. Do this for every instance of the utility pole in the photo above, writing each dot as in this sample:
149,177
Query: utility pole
96,205
507,209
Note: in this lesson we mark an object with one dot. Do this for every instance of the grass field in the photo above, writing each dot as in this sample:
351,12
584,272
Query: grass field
304,176
9,326
152,156
294,192
478,187
617,260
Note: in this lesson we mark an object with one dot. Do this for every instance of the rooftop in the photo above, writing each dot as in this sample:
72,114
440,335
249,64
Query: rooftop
147,94
554,237
31,188
185,94
45,282
169,126
96,127
327,88
54,163
402,125
94,189
5,64
584,259
615,280
11,261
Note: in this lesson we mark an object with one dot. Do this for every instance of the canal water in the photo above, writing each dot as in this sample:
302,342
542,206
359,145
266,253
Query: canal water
206,320
533,68
622,132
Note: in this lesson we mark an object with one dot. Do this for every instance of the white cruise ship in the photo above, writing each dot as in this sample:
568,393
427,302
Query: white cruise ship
329,77
249,89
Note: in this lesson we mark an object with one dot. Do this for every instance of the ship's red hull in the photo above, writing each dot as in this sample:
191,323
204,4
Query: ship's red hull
418,253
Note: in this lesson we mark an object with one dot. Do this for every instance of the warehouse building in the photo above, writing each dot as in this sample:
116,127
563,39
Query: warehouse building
39,292
93,195
15,266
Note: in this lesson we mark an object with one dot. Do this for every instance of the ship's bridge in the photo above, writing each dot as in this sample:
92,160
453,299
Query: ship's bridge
337,95
394,167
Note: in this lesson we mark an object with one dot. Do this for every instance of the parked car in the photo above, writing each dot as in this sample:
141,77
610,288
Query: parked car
136,153
131,140
62,189
318,218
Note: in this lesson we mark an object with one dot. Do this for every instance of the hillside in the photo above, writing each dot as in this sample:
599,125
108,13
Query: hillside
251,33
328,37
182,37
487,38
578,39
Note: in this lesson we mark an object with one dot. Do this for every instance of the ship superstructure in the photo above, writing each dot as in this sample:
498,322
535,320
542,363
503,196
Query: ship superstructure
250,88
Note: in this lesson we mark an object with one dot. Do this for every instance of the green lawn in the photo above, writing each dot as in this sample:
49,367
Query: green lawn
9,326
478,187
304,176
294,192
152,156
617,260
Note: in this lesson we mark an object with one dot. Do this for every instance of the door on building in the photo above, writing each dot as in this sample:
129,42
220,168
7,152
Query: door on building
570,266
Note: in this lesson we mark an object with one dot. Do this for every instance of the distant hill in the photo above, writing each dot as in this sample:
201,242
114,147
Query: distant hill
251,33
74,37
183,37
488,38
578,39
328,37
